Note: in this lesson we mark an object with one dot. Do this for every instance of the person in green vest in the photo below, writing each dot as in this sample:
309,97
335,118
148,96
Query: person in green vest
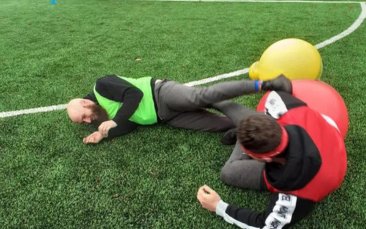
117,105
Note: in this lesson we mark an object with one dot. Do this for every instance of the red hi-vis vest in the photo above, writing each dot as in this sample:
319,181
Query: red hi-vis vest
332,151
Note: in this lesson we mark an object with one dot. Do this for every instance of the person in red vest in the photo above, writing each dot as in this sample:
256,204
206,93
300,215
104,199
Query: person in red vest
292,151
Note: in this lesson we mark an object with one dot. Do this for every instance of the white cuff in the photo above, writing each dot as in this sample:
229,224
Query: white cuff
221,208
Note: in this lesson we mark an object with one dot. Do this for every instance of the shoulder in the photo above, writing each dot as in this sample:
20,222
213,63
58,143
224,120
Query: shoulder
278,103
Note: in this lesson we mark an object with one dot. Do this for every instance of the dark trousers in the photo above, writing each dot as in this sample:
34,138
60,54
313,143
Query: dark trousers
185,107
240,170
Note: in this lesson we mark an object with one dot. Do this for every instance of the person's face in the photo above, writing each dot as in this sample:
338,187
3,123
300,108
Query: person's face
82,111
87,114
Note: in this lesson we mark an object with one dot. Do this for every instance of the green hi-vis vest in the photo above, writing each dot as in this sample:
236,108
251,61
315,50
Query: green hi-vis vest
145,113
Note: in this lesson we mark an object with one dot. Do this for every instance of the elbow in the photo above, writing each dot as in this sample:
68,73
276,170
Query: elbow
139,95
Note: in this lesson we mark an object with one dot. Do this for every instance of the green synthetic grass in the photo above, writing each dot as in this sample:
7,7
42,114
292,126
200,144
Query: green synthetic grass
55,52
149,178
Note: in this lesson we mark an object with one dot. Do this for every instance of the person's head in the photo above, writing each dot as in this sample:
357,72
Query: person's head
85,111
261,137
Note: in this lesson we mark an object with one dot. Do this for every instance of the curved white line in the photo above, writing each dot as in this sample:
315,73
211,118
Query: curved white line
327,42
348,31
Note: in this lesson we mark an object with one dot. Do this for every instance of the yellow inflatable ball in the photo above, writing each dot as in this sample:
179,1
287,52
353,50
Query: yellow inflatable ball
295,58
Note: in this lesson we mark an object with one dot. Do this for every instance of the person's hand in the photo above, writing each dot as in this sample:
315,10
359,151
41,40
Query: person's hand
94,138
105,126
280,83
208,198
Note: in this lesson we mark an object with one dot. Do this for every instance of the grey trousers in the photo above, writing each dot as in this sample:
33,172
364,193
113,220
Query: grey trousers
184,107
240,170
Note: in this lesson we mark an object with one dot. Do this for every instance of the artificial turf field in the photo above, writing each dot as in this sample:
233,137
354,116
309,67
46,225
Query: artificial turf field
51,53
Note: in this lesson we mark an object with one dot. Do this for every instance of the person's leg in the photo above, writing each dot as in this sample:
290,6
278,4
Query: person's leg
164,97
242,171
234,111
201,120
180,97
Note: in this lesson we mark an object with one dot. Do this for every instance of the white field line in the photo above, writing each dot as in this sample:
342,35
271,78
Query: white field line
348,31
32,110
218,77
329,41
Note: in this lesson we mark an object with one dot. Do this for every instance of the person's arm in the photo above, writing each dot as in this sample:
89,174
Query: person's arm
124,127
117,89
282,211
97,136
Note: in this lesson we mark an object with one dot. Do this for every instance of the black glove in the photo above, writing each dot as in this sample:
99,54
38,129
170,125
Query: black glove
280,83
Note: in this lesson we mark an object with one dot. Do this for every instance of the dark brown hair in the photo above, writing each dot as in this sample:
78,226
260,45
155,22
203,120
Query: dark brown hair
259,133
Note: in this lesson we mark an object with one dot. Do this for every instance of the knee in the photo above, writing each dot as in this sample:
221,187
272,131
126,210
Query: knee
227,174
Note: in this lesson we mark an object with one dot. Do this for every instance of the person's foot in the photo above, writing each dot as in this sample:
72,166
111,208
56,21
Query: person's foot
280,83
229,137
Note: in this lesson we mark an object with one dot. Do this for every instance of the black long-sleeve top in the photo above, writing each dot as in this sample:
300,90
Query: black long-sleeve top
315,151
118,89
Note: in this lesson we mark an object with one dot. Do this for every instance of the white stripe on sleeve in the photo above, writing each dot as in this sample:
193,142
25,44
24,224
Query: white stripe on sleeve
221,211
274,105
282,212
